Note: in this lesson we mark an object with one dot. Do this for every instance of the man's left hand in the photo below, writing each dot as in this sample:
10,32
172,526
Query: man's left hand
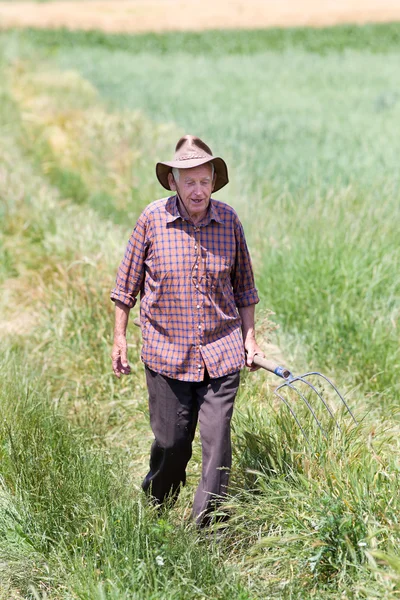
252,348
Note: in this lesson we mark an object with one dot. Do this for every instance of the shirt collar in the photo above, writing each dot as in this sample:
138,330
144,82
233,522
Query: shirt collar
172,210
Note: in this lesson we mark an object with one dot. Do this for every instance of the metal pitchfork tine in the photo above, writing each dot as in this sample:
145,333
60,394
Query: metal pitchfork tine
290,379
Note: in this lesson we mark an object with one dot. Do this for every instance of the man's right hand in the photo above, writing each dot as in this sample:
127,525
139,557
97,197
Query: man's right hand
120,357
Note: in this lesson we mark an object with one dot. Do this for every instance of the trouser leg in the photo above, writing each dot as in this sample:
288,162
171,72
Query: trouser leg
173,419
215,400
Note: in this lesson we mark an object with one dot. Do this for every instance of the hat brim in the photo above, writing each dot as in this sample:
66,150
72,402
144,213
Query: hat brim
220,170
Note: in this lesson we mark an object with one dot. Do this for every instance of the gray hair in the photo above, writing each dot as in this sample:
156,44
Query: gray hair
175,172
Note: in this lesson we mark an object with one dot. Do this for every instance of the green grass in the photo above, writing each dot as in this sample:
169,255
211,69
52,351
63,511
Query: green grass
316,165
377,38
70,525
310,135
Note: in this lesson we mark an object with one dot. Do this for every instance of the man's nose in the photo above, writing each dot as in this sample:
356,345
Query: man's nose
197,190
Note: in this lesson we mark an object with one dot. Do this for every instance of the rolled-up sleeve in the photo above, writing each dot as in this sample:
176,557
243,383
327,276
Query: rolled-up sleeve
131,270
244,290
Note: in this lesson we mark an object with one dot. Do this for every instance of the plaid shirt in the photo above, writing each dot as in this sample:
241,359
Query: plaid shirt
192,279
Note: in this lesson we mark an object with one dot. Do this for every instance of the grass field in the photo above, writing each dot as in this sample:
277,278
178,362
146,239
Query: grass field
308,122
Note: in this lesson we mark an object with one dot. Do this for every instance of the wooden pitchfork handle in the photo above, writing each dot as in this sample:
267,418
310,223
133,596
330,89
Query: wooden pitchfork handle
258,361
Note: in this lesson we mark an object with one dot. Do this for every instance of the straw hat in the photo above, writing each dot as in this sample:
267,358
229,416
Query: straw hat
191,152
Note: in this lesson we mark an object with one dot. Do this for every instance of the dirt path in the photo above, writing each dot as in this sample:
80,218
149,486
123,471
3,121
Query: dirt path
170,15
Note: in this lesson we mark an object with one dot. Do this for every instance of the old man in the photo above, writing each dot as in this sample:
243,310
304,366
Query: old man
188,259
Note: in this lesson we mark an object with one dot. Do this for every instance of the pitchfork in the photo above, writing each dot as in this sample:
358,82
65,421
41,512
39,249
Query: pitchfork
290,380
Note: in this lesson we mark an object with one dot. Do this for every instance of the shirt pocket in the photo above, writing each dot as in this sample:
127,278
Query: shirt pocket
218,270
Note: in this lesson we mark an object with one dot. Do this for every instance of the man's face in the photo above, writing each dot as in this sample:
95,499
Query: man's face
194,188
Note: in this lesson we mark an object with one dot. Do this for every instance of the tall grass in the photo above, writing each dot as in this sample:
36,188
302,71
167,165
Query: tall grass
305,522
69,524
315,520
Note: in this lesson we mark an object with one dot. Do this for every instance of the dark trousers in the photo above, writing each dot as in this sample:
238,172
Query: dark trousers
175,407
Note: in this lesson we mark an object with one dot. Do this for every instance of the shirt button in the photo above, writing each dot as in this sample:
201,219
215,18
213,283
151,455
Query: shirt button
199,326
197,286
200,345
196,266
198,306
195,246
199,366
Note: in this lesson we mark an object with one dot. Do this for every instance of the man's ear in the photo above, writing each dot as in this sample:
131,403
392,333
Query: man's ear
171,182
